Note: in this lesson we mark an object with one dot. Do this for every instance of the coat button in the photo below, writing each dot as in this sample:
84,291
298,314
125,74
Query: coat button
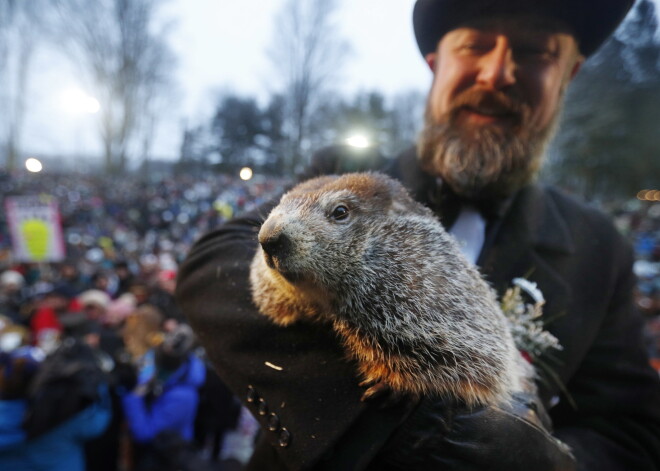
284,439
262,407
252,395
273,422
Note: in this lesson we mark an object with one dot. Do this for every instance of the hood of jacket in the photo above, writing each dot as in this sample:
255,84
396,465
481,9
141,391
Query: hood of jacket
191,373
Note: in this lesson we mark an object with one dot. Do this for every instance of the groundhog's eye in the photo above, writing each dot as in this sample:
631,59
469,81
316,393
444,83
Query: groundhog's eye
339,213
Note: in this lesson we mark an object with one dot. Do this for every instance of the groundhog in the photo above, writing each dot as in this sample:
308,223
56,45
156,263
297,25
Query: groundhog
358,252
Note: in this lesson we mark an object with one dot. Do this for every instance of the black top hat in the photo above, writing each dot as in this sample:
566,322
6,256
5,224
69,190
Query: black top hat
590,21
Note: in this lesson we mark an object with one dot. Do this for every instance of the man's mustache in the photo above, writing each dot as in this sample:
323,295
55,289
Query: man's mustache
494,103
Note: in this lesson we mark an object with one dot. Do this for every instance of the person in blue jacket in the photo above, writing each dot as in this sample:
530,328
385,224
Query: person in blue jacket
161,410
59,445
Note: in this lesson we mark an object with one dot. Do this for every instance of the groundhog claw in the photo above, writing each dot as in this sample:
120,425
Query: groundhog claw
381,393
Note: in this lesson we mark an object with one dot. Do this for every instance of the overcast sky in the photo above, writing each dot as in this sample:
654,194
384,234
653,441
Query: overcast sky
222,45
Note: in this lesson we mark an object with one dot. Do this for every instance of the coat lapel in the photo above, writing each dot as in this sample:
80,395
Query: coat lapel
533,238
531,235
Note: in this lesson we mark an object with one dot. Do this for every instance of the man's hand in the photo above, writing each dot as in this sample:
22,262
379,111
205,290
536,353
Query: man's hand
443,436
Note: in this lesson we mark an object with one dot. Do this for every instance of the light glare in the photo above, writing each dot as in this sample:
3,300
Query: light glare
33,165
358,141
77,101
649,195
245,173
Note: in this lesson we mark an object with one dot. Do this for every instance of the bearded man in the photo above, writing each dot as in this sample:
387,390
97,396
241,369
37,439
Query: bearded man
500,71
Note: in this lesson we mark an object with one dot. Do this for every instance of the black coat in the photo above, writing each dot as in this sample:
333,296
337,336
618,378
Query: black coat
297,381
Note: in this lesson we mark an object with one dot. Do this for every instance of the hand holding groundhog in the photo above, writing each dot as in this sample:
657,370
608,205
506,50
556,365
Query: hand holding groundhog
356,251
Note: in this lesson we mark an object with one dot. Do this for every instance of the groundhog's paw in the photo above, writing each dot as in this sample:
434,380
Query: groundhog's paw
284,319
380,393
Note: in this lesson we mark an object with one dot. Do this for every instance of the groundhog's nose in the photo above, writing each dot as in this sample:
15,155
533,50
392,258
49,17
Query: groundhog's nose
274,242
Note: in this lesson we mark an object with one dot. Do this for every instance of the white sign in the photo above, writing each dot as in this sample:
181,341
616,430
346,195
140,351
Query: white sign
36,228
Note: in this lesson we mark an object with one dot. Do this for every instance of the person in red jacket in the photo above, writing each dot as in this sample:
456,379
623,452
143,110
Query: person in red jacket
45,324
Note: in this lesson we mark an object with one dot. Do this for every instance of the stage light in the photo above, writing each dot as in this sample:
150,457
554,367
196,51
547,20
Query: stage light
33,165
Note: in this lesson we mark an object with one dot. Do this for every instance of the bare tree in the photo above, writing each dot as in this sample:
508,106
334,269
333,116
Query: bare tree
308,52
129,63
407,110
607,145
20,29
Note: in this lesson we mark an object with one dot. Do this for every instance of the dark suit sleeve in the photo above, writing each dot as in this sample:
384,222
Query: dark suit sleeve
616,424
294,380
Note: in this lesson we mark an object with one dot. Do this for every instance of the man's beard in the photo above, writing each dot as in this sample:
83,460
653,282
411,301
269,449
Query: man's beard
484,161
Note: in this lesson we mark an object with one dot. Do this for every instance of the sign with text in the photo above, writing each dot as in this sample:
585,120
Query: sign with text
36,228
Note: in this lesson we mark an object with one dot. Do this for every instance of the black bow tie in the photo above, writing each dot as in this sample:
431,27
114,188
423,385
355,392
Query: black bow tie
447,205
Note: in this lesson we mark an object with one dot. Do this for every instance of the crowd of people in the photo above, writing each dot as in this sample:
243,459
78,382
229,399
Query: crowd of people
98,367
640,221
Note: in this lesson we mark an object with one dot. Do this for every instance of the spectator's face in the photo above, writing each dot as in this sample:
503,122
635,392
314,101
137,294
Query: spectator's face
122,273
101,283
167,283
496,92
69,272
140,292
10,288
93,311
56,302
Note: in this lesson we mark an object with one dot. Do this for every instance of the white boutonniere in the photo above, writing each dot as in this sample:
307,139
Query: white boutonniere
522,305
525,319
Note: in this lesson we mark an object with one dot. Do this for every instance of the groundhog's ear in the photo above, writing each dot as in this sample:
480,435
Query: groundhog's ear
401,201
392,195
406,205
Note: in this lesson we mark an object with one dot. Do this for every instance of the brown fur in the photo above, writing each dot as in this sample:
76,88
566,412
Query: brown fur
392,283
